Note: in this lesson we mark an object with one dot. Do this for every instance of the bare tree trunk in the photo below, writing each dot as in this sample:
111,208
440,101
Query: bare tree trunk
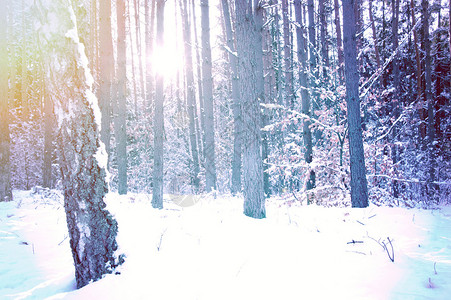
376,49
106,72
339,41
83,162
359,188
132,55
237,122
47,180
121,113
150,17
303,77
324,42
289,96
396,101
5,165
191,93
254,198
157,197
207,88
136,5
314,74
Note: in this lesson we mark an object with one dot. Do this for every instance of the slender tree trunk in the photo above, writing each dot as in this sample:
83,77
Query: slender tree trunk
150,17
237,122
314,72
199,83
132,55
136,5
289,96
47,180
207,88
121,113
303,75
191,93
5,165
396,84
254,198
417,51
324,42
376,49
106,71
430,106
359,189
83,162
157,197
339,41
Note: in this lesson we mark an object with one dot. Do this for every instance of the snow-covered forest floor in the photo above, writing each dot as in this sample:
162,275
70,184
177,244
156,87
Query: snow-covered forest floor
212,251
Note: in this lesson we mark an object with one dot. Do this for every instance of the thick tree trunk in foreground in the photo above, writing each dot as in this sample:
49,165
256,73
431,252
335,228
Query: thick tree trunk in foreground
207,88
83,161
157,197
5,166
359,188
254,198
121,113
237,122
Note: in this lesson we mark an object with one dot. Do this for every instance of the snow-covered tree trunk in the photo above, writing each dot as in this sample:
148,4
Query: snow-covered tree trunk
237,122
207,89
157,197
254,198
359,188
82,155
121,112
190,93
5,166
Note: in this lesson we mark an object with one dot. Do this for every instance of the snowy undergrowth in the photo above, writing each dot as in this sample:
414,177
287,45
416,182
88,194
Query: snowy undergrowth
212,251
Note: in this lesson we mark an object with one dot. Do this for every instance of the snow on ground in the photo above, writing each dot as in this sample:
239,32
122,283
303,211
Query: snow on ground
212,251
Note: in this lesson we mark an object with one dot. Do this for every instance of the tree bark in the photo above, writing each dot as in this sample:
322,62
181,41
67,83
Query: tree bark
158,171
339,41
376,48
254,198
191,93
303,75
83,162
396,85
106,71
47,178
121,113
150,17
237,122
289,96
207,88
324,42
359,189
5,164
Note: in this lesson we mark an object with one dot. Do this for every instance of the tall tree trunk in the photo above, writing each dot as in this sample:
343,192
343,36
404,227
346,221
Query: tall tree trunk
106,71
324,42
254,198
376,48
428,98
136,5
207,88
157,197
121,113
132,55
199,83
396,85
237,122
303,75
83,162
339,41
5,165
260,85
191,93
417,52
150,17
359,188
289,96
47,180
